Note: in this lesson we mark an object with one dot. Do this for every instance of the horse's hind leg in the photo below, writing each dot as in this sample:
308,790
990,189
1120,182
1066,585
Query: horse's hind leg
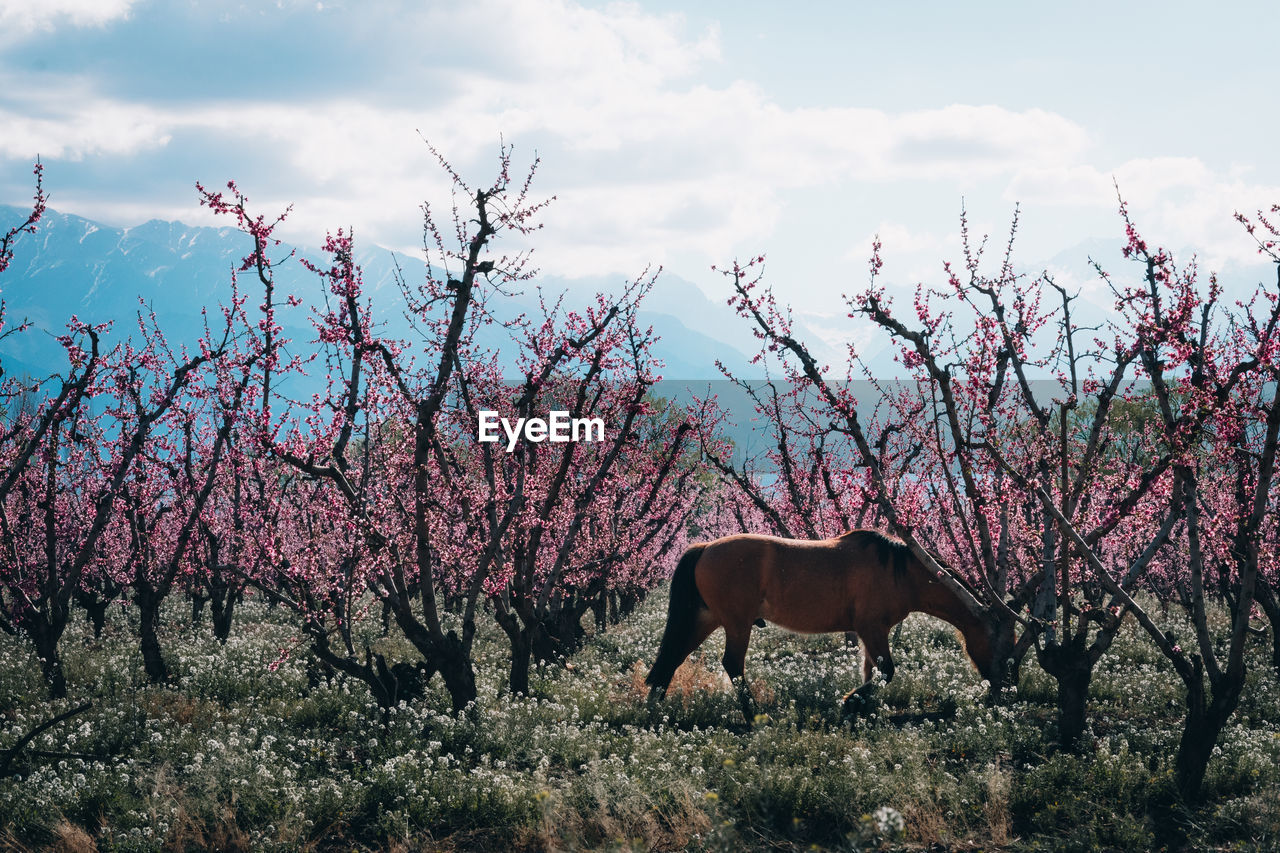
664,670
734,660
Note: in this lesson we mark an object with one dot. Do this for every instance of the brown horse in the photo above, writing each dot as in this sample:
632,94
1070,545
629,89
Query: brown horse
862,581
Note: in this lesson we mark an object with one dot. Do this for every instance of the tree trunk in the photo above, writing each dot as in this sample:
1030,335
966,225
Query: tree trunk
521,649
1266,596
1073,698
95,607
44,634
453,662
448,655
600,610
627,602
521,655
388,684
223,611
148,601
222,604
386,618
559,633
198,601
1006,653
381,688
1205,722
1199,734
95,597
1071,667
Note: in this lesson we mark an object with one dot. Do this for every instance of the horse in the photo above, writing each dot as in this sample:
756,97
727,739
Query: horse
862,581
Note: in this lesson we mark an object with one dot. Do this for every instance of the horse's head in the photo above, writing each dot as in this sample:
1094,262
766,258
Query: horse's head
988,670
956,600
986,646
979,645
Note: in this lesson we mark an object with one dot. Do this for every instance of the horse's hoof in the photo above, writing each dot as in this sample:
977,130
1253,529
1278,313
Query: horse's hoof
858,704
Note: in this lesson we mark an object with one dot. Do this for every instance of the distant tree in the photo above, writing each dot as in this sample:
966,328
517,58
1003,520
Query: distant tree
380,486
73,470
165,500
583,515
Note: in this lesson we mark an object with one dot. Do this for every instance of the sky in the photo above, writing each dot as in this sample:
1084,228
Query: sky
673,136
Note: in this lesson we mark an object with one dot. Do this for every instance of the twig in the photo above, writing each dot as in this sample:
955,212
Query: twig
13,751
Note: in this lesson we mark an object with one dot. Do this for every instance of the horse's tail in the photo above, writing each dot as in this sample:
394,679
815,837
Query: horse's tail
682,618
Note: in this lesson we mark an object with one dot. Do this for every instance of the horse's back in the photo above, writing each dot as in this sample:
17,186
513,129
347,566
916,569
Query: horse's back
805,586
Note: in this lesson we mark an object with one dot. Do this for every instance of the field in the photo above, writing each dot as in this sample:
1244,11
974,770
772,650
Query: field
242,753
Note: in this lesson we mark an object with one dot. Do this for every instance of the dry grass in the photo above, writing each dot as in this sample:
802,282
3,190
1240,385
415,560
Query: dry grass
184,710
762,693
926,823
72,839
996,807
630,822
693,677
190,833
67,838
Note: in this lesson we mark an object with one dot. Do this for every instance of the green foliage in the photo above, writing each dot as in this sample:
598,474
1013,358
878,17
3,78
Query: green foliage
250,749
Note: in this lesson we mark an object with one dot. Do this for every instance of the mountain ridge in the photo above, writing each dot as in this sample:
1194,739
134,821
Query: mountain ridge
73,265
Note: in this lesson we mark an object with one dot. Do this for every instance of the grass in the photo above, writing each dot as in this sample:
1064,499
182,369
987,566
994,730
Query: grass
246,752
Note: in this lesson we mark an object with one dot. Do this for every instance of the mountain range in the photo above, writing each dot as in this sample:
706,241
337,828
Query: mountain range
101,273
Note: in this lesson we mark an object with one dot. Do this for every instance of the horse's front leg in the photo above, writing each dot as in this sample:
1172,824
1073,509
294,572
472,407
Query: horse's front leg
875,654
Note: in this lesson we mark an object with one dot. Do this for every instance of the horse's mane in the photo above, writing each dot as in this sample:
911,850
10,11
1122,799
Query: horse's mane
890,547
889,550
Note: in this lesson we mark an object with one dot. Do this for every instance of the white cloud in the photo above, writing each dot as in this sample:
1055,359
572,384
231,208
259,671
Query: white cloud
83,129
1149,176
897,238
985,140
27,16
649,162
670,170
1176,202
622,227
1061,184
